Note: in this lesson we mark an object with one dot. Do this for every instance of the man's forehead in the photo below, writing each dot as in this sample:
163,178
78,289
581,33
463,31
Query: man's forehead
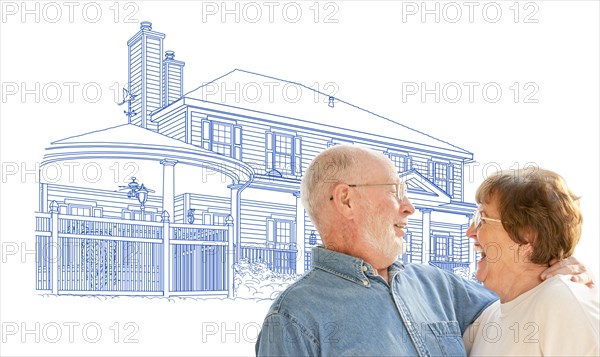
379,168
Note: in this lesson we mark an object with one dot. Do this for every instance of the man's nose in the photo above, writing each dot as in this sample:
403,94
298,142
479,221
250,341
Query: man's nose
406,206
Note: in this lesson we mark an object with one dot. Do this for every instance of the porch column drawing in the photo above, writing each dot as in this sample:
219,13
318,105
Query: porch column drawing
426,229
235,214
300,243
55,248
169,186
230,258
167,264
43,197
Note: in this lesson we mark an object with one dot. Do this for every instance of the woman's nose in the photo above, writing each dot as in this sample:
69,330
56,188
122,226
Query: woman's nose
472,231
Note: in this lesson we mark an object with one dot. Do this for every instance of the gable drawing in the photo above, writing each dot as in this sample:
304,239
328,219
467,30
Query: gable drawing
203,196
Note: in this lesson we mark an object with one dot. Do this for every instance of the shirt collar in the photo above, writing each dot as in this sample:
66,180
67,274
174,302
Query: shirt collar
348,267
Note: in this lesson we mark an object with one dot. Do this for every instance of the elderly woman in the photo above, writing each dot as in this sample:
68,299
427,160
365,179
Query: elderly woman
525,219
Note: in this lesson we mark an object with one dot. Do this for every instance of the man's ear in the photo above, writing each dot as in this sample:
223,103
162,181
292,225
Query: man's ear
343,200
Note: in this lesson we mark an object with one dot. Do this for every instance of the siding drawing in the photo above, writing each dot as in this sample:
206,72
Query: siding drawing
210,205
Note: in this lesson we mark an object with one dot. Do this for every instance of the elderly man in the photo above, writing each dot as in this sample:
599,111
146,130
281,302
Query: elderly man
359,299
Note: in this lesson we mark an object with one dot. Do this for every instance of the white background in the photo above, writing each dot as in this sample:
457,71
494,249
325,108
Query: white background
372,49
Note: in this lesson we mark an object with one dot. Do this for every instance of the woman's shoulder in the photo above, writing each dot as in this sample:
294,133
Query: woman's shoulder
567,299
560,287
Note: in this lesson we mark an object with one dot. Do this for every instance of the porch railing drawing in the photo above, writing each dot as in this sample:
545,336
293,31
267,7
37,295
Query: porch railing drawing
199,258
91,255
280,260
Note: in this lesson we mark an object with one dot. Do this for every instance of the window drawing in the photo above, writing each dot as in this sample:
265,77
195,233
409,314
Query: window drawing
283,153
222,138
225,177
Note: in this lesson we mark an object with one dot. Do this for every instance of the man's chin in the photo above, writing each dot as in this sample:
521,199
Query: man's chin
400,232
404,247
398,250
401,245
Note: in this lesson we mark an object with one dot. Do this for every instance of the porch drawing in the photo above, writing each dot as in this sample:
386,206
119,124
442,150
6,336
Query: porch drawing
200,191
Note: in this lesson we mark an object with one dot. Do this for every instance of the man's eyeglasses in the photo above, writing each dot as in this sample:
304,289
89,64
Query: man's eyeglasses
478,219
401,189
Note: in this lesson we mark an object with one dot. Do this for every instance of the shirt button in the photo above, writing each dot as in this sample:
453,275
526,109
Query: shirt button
366,282
364,268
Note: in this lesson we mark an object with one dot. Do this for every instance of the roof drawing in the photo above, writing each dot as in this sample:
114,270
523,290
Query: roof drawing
126,133
130,141
289,99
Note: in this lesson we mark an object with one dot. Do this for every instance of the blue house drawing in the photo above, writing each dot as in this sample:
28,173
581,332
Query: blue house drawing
209,181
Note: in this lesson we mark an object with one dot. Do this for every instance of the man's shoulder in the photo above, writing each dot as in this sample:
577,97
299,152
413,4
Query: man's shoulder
421,268
305,304
444,282
426,270
316,289
299,292
290,324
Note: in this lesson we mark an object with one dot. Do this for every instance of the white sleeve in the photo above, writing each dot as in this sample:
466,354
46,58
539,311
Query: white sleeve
572,323
469,337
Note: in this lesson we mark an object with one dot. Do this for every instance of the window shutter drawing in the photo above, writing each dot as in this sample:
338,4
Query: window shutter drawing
409,163
402,167
298,156
188,127
270,232
206,133
237,142
268,151
430,170
450,190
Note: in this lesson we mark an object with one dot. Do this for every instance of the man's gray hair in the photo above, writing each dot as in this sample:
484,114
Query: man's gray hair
336,164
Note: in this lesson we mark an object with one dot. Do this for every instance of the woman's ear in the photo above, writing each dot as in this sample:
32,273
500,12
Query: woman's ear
525,249
529,235
524,252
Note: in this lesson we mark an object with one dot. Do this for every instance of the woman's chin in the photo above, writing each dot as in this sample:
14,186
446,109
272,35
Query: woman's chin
480,275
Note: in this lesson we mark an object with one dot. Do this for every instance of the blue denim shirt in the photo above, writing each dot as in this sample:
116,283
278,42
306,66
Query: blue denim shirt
341,307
